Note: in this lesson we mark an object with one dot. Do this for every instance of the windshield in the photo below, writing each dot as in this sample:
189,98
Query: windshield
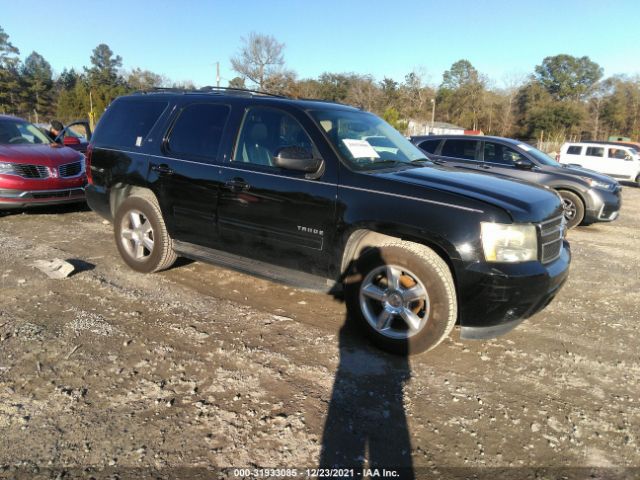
365,141
16,132
540,156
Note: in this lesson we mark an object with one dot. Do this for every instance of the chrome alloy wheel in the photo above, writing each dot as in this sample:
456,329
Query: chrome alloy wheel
394,302
136,235
569,209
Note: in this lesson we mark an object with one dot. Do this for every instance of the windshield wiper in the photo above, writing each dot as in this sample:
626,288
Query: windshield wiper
425,159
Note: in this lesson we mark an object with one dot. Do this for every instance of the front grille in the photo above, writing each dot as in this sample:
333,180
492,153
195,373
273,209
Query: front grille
58,194
551,235
70,169
30,171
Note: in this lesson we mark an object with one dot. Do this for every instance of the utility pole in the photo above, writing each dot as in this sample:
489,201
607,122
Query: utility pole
218,74
433,112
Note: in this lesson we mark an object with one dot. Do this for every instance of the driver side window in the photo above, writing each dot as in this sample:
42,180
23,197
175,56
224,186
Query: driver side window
266,131
497,153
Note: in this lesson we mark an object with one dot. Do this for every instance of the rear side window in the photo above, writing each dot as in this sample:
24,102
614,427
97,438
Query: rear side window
198,131
127,123
430,146
574,150
595,151
465,149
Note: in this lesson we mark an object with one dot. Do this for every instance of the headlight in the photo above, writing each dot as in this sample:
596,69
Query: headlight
6,168
602,185
509,243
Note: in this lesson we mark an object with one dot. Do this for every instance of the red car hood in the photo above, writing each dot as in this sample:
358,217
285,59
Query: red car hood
38,155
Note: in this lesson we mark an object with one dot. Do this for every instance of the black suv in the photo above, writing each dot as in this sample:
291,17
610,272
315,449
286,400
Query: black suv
588,196
320,194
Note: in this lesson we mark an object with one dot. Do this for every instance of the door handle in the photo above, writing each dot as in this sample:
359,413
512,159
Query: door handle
236,185
162,169
486,167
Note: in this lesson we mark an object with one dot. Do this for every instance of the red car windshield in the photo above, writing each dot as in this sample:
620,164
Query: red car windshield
17,132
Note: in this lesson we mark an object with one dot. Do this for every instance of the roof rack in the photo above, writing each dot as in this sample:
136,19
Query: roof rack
212,90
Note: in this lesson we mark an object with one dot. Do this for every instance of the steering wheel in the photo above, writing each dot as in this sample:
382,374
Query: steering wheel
18,139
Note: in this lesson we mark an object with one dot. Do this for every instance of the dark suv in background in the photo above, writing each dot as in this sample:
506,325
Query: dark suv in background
588,196
318,194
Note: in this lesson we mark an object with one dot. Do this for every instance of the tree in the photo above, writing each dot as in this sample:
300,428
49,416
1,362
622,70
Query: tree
260,58
104,70
138,79
103,79
38,84
567,77
237,82
9,75
461,94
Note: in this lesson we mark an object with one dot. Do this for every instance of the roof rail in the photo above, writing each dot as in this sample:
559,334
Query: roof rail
610,142
212,90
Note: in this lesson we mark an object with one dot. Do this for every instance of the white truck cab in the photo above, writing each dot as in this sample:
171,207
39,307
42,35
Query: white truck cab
618,161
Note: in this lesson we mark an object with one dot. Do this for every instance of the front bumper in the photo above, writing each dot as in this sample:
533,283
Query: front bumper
11,199
604,206
495,298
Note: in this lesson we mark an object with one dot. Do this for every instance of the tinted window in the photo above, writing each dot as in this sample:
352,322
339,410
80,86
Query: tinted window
430,146
127,123
574,150
497,153
198,130
267,130
595,151
465,149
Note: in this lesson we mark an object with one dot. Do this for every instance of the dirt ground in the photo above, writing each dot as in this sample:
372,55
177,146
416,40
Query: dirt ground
178,374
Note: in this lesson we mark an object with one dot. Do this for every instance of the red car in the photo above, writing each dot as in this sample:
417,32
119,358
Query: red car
36,171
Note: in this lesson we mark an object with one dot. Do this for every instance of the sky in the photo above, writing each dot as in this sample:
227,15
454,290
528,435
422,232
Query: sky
183,40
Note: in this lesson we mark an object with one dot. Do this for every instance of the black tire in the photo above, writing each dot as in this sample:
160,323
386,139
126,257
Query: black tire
161,256
574,208
638,181
437,312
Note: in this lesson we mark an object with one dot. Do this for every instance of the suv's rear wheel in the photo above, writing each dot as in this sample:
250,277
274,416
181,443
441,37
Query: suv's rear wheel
141,235
402,294
638,181
573,208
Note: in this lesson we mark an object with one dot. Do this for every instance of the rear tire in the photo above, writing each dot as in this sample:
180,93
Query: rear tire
573,208
403,296
638,181
141,235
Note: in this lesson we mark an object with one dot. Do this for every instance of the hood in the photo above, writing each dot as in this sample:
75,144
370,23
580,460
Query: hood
38,155
524,201
573,172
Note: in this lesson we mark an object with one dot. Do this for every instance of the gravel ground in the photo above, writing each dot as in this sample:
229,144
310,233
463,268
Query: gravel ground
114,374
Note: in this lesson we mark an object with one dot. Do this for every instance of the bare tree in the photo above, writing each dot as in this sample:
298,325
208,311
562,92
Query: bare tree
260,59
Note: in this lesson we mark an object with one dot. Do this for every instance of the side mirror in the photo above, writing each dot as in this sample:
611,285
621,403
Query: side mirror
628,158
70,141
523,164
297,158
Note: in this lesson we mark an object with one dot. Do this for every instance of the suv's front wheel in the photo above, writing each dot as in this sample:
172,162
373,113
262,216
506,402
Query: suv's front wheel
402,294
573,208
141,235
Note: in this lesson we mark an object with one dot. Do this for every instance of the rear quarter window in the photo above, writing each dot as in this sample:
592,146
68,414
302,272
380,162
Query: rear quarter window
574,150
126,123
429,146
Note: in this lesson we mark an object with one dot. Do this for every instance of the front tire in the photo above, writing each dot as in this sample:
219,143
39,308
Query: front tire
403,296
141,235
573,208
